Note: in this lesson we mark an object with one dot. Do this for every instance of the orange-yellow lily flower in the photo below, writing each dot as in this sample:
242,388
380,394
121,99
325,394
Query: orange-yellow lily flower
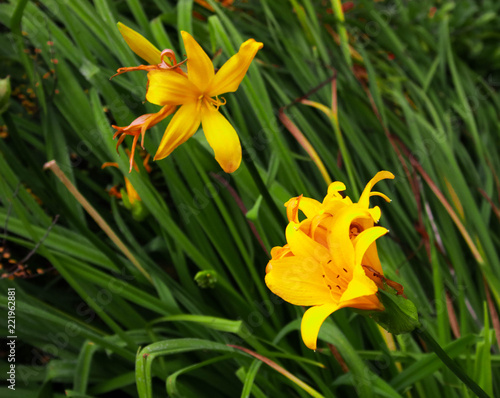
324,263
195,93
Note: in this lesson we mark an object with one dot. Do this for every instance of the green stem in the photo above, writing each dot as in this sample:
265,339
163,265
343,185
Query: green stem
344,38
450,363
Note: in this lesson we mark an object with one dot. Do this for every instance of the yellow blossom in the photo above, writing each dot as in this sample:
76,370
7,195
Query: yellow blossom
158,60
325,261
197,93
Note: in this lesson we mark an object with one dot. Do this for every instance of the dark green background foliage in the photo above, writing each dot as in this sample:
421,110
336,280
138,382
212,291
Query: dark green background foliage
418,96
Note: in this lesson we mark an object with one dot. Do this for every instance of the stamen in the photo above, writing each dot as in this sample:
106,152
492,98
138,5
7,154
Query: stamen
134,68
145,163
169,54
162,65
332,279
354,230
216,101
120,140
109,164
134,144
117,133
375,193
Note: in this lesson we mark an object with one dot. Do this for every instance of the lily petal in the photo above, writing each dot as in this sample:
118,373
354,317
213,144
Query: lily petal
222,138
278,252
298,280
333,206
335,188
155,118
312,321
368,303
182,126
361,285
371,259
302,245
170,88
370,256
319,228
200,67
132,194
230,75
341,247
365,239
292,208
310,207
365,196
140,45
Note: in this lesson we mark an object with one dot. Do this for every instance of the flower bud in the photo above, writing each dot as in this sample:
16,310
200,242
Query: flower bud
206,279
5,91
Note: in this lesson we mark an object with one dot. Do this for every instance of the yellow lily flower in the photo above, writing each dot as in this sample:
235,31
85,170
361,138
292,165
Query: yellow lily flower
325,261
147,51
195,93
169,86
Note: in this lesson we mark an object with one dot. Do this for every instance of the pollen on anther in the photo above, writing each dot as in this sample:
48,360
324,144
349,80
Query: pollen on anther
339,287
344,269
338,276
330,287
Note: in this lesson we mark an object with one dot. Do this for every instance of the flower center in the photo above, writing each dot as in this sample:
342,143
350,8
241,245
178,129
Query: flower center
354,230
335,279
212,101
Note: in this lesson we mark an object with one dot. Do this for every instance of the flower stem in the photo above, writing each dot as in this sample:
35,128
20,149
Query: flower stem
449,362
344,38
